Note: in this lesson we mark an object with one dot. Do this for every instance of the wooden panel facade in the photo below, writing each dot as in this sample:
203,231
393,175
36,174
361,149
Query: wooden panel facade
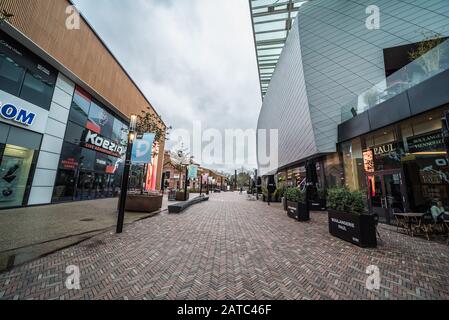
80,51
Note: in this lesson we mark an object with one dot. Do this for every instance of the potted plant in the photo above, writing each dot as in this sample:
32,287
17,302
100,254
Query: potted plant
264,194
348,218
296,204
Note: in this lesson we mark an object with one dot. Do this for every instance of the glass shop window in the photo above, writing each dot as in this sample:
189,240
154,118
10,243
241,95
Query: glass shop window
74,133
65,186
80,107
15,169
11,75
100,121
37,90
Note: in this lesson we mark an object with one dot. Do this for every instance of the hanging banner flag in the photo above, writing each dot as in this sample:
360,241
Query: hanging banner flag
143,149
193,171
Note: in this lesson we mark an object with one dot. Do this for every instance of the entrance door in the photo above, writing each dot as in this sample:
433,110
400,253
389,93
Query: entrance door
85,186
386,195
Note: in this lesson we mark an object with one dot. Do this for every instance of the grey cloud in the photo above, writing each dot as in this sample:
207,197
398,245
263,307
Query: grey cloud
193,59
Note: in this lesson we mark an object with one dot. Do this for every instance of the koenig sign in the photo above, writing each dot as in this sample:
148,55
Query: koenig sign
94,141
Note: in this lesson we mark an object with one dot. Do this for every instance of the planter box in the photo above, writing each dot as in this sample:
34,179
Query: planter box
143,203
357,229
320,205
180,196
172,195
298,211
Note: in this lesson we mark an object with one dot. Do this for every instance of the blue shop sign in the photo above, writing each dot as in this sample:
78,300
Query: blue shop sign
22,116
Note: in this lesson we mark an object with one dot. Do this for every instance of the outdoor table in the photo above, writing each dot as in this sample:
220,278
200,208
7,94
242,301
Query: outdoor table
410,217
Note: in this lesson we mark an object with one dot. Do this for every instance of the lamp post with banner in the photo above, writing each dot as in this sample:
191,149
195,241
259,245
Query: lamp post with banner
125,179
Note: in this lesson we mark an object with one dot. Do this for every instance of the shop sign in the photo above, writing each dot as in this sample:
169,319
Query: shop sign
20,113
70,163
428,142
94,141
385,149
383,157
9,111
368,161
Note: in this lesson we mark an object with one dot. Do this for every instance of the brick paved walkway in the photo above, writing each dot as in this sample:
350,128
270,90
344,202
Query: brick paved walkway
230,248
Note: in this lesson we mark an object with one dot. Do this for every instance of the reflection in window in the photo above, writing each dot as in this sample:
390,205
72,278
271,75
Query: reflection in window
11,75
37,90
74,133
100,121
80,107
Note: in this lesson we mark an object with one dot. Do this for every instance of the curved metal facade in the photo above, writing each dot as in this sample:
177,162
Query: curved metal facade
331,57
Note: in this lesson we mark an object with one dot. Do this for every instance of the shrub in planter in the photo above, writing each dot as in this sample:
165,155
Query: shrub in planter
348,219
264,194
296,204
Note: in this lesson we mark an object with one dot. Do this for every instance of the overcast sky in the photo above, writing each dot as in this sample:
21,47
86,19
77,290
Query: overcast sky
193,59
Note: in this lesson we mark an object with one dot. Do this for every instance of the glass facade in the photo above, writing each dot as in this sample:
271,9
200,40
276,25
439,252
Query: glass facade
92,157
403,167
24,75
272,22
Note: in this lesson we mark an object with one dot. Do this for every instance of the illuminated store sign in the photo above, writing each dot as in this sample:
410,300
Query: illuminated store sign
429,142
94,141
13,113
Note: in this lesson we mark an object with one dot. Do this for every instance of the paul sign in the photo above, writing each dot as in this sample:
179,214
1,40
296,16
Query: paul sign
94,141
11,112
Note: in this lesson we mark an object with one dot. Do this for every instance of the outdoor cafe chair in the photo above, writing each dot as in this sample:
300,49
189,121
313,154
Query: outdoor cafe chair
427,225
401,222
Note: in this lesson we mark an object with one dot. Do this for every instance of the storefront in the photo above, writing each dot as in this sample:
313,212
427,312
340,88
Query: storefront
26,89
403,167
92,157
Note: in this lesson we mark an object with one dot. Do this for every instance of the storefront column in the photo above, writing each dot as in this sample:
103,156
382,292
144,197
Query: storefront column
47,165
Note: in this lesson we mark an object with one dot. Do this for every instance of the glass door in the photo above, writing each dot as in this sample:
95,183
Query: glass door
85,186
386,195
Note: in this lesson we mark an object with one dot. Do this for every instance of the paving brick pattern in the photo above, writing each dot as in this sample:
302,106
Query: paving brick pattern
231,248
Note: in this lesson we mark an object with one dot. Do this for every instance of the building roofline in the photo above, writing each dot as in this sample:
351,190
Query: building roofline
116,60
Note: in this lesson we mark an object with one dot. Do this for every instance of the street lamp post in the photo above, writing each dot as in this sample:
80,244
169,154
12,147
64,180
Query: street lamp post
125,179
257,185
186,183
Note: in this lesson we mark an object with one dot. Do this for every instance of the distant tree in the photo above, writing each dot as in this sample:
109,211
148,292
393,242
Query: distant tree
429,51
150,122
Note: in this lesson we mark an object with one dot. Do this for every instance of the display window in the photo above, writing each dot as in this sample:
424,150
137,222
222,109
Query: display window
15,168
100,121
80,107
